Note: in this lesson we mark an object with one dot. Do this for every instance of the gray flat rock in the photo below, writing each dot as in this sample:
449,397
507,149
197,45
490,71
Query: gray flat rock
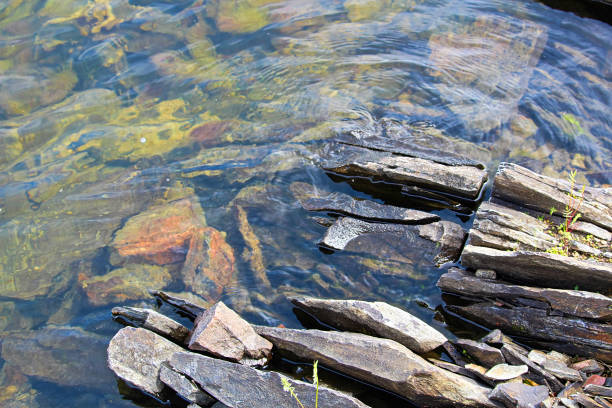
482,353
382,362
570,302
152,320
540,268
375,318
192,307
240,386
516,395
560,370
136,355
461,180
535,373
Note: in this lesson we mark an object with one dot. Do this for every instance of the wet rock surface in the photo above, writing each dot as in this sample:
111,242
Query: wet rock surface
382,362
152,320
136,355
221,332
376,319
251,388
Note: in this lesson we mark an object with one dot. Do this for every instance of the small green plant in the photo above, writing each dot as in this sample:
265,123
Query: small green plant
570,216
315,375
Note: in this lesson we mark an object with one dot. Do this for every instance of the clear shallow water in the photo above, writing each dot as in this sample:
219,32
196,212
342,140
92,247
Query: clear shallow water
110,109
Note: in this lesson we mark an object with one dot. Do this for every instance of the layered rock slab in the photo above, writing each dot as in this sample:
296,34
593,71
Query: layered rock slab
382,362
462,180
374,318
152,320
136,356
239,386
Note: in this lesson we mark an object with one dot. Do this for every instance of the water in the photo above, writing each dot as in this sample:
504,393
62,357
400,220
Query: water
112,108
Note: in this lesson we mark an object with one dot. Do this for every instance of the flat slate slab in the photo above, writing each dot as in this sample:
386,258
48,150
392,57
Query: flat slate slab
528,189
443,239
540,268
462,180
152,320
239,386
374,318
570,302
381,362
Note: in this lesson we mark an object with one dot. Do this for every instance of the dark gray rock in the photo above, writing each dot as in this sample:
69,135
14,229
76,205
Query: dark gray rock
540,268
382,362
440,240
494,337
517,395
489,274
184,387
136,356
454,368
63,355
526,188
598,390
560,370
482,353
189,307
223,333
570,302
347,205
461,180
239,386
566,334
152,320
374,318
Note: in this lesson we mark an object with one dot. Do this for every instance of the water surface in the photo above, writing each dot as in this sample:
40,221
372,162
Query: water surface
114,111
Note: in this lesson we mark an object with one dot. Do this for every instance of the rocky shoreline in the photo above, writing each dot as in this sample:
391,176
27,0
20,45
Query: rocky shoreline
521,276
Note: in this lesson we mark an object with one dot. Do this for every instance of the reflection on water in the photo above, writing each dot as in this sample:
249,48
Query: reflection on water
155,145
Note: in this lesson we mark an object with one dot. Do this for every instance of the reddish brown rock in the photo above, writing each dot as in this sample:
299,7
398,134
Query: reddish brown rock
209,134
221,332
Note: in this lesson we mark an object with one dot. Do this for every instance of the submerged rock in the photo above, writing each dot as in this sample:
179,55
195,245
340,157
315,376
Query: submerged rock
441,240
136,355
221,332
374,318
130,283
63,355
239,386
382,362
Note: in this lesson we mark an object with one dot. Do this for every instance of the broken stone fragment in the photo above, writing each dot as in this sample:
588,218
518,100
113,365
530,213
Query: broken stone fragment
482,353
382,362
494,337
184,387
560,370
535,373
505,372
187,302
239,386
136,355
375,318
223,333
517,395
152,320
588,366
598,390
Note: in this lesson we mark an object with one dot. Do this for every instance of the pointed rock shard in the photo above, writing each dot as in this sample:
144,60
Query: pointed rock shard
536,373
191,304
461,180
136,356
484,354
374,318
382,362
152,320
522,186
516,395
222,332
239,386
